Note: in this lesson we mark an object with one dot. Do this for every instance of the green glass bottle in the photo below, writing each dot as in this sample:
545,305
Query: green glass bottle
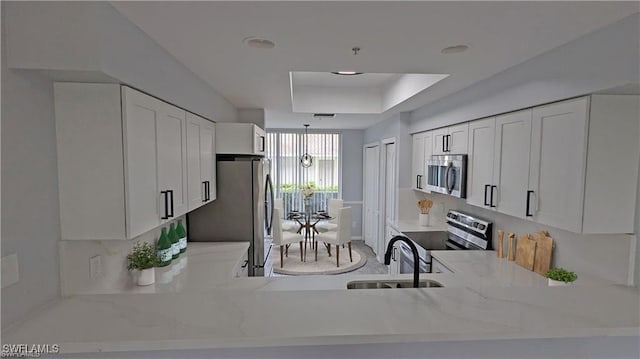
173,237
165,250
182,236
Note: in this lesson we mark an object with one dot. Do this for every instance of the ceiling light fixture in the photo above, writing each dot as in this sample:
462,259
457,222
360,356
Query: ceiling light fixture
306,160
321,115
455,49
346,73
258,42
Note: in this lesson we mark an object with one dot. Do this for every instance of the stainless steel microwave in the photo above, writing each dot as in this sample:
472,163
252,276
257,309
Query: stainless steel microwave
447,174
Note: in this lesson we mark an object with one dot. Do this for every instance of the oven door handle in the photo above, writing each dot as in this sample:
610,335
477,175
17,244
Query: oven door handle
453,246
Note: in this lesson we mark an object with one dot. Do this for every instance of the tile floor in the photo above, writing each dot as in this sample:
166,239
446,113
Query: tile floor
371,267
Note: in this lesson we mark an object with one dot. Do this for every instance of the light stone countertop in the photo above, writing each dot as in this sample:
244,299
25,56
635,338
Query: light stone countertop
254,312
407,225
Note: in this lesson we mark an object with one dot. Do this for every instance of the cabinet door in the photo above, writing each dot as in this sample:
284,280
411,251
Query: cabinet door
511,162
439,145
480,161
195,184
260,144
208,158
417,168
141,113
558,155
458,139
428,150
172,167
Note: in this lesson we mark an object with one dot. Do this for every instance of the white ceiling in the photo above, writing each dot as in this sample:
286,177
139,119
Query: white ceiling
394,37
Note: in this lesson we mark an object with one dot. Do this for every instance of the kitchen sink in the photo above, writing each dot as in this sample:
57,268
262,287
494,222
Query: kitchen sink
390,284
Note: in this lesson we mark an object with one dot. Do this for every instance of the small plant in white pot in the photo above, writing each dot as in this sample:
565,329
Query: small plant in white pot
143,258
560,276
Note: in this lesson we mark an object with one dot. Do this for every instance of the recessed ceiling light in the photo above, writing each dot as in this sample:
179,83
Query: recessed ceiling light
346,73
455,49
258,42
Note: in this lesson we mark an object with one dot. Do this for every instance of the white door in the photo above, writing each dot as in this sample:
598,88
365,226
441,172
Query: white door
389,191
371,192
558,153
439,141
480,162
171,161
511,162
417,168
141,114
458,139
208,158
195,186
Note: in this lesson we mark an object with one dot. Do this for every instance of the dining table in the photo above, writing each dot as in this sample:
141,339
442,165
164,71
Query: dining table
307,222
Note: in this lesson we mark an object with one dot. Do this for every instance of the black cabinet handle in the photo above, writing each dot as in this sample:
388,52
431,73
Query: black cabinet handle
529,204
262,143
208,184
448,149
491,194
166,204
420,181
170,192
204,185
443,139
485,194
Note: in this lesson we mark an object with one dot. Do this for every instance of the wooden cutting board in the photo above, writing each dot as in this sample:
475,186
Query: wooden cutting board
525,252
544,252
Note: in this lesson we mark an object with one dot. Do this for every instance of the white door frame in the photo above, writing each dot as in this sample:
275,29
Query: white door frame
382,244
364,192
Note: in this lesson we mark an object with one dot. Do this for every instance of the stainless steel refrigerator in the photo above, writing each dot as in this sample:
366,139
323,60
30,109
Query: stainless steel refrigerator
242,211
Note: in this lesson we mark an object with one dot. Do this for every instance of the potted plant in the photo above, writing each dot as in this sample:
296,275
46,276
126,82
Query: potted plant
143,258
560,276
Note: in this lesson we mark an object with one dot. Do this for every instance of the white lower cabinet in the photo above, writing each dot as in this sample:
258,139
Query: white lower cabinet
438,267
394,266
122,161
570,165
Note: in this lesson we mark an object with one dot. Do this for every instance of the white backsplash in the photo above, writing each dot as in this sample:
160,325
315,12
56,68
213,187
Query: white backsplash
75,270
604,256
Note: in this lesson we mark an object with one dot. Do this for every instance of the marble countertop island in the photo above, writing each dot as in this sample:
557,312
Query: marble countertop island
261,312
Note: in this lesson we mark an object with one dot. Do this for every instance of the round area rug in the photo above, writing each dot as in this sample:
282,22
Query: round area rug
324,265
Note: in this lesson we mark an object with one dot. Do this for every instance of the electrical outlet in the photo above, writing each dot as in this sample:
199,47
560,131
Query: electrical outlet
95,264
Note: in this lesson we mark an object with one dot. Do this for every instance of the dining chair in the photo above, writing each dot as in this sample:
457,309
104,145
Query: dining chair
340,236
332,224
282,238
287,226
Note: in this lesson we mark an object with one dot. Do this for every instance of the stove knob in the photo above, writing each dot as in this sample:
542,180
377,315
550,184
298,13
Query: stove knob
481,226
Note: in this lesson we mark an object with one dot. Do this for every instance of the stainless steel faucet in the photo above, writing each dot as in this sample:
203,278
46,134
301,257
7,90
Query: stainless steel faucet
414,250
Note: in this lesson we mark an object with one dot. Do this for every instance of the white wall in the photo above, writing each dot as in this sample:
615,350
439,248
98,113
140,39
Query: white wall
604,59
252,115
77,41
30,216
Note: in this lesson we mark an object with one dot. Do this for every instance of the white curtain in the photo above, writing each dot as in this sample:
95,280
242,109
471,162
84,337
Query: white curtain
284,149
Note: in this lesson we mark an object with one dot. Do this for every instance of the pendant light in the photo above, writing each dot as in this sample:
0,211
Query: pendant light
306,160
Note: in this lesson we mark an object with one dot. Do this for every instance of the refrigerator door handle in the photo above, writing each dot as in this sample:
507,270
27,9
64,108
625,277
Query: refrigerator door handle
269,220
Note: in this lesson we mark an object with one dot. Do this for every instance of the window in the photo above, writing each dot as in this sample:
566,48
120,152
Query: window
284,149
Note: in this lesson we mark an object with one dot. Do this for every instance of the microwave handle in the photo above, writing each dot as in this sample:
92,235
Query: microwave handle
446,179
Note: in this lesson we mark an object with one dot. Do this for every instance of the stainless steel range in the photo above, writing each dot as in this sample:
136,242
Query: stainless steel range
467,232
464,232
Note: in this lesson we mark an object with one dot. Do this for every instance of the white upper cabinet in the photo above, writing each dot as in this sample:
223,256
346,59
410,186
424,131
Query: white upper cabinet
123,158
240,139
511,163
557,164
451,140
171,137
422,147
140,117
201,163
571,164
480,162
